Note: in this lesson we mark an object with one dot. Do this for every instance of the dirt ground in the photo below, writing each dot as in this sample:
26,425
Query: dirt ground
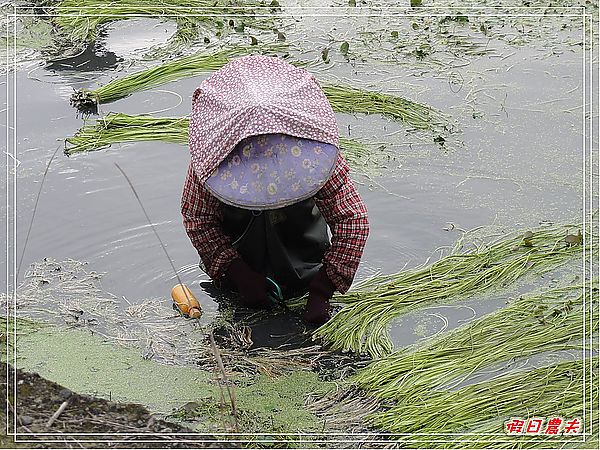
37,400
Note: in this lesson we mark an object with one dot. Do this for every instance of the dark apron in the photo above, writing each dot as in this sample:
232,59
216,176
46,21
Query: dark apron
284,244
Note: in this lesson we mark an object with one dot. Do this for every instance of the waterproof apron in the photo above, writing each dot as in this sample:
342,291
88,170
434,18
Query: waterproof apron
285,244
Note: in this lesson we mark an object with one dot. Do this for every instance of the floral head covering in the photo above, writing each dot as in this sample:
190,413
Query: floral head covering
272,171
252,96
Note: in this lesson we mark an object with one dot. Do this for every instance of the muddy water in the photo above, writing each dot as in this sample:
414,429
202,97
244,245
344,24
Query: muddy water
515,160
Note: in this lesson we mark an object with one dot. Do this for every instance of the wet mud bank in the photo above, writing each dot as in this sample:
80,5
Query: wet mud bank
84,419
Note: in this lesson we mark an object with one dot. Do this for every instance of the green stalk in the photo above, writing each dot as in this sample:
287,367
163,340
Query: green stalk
187,66
550,391
362,324
117,127
80,20
343,99
417,389
546,322
349,100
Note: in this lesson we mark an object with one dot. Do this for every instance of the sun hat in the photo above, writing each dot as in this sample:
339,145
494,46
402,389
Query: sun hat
253,101
272,171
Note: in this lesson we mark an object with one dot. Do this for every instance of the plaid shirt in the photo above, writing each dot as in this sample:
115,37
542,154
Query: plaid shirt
339,203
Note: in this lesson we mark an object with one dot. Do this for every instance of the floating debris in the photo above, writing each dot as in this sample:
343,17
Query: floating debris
574,239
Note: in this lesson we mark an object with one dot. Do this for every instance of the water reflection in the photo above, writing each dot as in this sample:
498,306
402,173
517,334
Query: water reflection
94,57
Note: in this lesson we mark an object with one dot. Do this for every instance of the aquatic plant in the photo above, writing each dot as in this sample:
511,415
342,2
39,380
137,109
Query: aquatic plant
188,66
117,127
546,322
369,308
551,391
419,382
343,99
80,20
10,330
350,100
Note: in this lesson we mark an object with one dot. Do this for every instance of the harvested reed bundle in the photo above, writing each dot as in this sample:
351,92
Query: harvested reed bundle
550,321
550,391
187,66
117,127
343,99
362,324
79,20
349,100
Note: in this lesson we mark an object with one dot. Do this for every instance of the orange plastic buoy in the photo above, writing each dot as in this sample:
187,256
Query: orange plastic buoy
185,301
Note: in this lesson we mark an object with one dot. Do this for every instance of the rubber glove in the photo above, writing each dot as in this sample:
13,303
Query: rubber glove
251,285
320,292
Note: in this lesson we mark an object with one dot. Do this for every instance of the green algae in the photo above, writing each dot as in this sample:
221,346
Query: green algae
32,33
278,404
24,43
86,364
264,405
11,330
83,363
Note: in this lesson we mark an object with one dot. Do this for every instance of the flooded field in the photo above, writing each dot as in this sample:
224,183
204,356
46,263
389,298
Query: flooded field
515,82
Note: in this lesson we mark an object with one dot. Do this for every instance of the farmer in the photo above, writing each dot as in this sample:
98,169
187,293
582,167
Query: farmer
265,179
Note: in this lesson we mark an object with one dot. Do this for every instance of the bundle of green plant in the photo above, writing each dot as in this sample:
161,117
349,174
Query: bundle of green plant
343,99
350,100
188,66
79,20
117,127
546,322
551,391
362,324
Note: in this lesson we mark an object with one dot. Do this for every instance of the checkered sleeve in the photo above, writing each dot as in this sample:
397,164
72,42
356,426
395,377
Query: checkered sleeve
202,219
346,215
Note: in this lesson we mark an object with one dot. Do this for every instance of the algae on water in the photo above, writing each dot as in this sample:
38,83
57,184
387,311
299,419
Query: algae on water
23,41
146,355
264,405
85,363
